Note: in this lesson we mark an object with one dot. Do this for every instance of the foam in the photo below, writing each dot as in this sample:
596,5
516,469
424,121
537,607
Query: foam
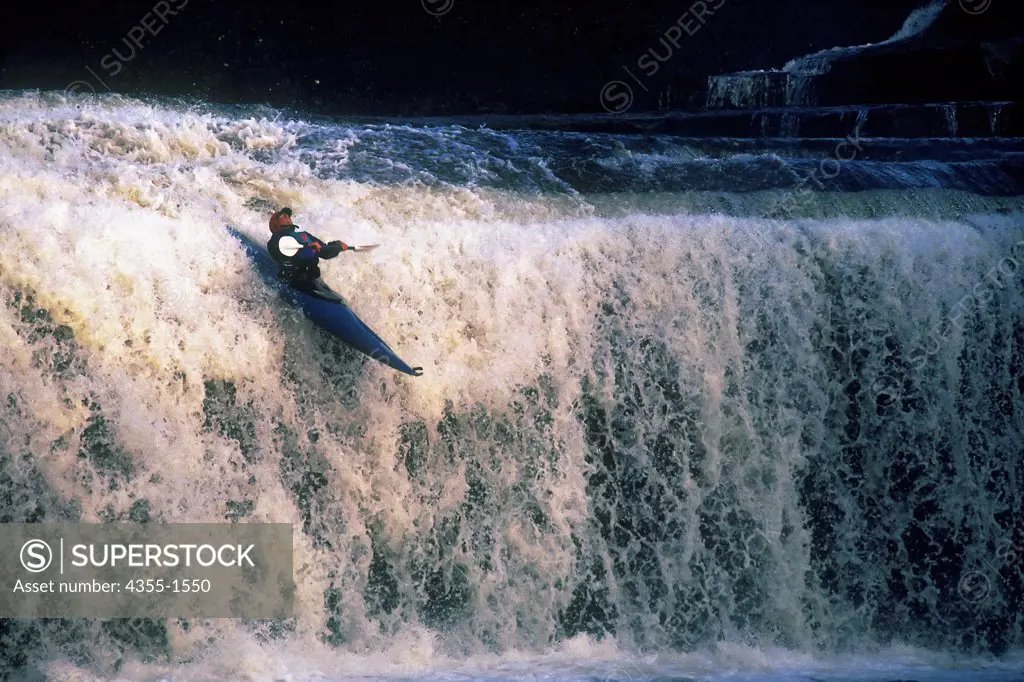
539,321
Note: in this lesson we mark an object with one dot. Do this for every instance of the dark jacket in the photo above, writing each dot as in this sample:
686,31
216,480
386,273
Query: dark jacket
300,253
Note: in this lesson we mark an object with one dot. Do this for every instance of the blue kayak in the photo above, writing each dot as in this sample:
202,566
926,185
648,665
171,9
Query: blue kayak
326,309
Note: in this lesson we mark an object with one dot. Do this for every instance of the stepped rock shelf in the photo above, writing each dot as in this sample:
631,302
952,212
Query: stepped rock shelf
962,119
889,89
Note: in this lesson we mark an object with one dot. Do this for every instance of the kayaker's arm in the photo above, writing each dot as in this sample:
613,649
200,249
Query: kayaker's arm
317,247
332,249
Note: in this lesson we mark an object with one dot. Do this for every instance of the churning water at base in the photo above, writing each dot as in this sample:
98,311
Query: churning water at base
659,434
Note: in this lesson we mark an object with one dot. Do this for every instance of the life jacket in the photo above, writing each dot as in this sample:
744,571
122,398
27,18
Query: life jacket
295,263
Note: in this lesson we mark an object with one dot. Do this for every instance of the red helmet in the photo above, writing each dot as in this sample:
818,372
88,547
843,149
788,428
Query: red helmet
281,220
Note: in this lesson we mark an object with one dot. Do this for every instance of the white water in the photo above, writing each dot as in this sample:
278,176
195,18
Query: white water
468,500
752,88
917,23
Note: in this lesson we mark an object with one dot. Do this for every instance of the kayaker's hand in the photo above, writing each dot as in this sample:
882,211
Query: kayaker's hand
341,245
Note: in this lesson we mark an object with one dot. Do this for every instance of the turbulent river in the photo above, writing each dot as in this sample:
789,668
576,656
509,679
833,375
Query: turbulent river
691,409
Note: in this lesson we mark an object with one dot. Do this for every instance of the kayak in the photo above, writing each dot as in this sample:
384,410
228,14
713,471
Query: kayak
326,309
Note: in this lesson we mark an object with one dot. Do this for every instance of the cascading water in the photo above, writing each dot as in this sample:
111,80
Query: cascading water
949,113
794,84
993,117
917,23
651,423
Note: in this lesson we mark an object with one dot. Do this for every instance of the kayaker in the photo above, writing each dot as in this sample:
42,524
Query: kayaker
298,253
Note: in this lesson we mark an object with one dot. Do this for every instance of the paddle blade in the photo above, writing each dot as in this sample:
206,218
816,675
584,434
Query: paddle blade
367,247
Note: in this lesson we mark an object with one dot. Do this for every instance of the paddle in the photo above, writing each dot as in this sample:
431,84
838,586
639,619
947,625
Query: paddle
367,247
